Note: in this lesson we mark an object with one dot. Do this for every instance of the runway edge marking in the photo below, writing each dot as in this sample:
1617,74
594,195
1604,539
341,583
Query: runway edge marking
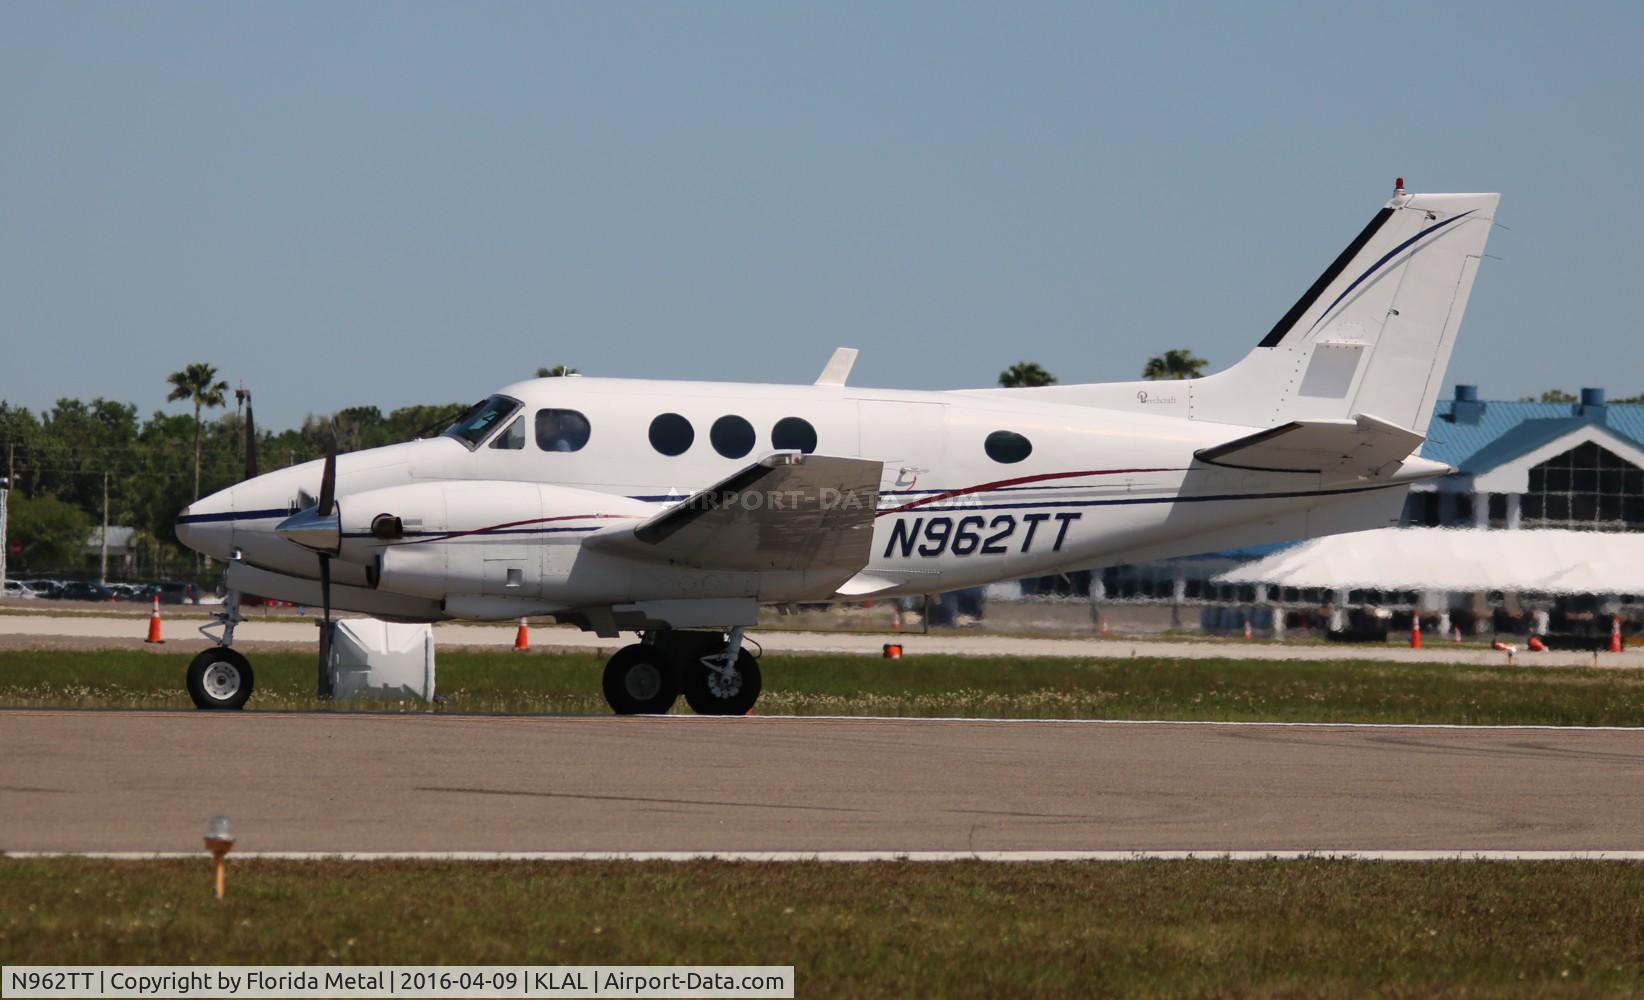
849,856
1463,726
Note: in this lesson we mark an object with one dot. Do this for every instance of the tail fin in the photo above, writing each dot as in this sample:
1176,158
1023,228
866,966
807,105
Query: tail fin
1371,336
1374,333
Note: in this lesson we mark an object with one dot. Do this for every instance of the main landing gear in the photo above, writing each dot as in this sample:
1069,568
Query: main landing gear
221,678
713,671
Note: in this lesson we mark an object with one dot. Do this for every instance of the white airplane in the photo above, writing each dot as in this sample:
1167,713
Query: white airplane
676,509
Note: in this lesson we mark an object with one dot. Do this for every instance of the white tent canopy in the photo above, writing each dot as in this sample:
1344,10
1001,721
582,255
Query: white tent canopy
1549,561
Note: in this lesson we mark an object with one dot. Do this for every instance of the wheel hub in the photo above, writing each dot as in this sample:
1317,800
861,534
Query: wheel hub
222,681
724,682
643,681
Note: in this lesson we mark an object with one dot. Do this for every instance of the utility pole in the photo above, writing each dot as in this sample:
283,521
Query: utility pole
5,503
102,573
5,498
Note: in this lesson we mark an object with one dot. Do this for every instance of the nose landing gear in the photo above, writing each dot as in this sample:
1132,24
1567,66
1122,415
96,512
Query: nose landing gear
221,678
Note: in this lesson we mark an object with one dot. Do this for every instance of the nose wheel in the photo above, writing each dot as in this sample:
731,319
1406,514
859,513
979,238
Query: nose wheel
220,679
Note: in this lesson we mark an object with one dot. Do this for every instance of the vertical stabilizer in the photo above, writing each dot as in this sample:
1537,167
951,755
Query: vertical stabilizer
1372,335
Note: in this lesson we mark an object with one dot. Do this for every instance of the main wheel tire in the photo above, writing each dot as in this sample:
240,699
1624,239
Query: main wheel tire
640,680
712,692
220,679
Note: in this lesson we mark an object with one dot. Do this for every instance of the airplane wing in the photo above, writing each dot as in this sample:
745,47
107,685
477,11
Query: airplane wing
1364,447
788,511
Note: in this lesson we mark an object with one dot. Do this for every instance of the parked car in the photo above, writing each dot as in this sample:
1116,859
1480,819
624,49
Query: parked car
132,591
178,592
84,590
52,589
19,589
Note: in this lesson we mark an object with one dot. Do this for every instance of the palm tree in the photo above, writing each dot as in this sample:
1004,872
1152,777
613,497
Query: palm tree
556,371
1177,362
1025,375
196,384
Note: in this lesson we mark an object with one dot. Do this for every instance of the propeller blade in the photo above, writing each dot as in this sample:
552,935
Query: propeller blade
328,485
324,690
325,586
250,441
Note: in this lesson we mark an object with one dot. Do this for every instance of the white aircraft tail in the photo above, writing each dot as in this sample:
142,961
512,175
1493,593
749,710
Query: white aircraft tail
1372,336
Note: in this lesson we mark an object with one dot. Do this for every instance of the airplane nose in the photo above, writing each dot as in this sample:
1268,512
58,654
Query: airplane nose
185,528
207,525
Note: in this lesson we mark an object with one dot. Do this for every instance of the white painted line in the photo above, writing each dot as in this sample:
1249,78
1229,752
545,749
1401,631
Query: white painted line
1464,726
851,856
723,720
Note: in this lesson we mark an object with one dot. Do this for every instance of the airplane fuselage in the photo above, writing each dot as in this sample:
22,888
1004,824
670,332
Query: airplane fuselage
1057,487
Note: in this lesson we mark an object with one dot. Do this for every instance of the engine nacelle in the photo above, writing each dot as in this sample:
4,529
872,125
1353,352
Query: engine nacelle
471,539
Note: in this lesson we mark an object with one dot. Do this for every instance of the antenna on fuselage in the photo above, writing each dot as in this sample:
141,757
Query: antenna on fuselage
838,368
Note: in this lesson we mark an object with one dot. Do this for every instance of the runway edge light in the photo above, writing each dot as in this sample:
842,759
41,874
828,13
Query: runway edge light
219,840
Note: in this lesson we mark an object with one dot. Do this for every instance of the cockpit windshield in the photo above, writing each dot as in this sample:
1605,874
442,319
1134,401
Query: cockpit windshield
477,423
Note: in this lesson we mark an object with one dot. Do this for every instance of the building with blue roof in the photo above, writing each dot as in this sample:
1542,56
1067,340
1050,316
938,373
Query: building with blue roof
1518,466
1577,465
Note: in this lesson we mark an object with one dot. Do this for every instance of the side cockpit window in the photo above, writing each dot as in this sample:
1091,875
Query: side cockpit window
477,423
562,430
512,439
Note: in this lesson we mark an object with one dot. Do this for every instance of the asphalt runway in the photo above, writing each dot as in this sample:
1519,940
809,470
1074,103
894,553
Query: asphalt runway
148,781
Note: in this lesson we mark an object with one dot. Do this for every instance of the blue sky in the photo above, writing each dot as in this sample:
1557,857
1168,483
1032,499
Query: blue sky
351,203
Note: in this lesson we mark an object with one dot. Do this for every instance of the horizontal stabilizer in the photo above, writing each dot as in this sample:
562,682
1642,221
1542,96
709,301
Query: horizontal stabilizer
786,512
1364,447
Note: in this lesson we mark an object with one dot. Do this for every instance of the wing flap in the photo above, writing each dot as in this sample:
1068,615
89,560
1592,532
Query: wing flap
786,512
1364,447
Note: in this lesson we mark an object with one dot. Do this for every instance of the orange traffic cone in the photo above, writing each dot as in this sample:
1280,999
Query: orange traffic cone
1247,632
522,638
1536,645
1104,628
154,623
1615,633
1415,631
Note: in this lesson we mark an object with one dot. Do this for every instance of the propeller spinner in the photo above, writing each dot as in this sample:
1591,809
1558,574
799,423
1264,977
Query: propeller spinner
318,528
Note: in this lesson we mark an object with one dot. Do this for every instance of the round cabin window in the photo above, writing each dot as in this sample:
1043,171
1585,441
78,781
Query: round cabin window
732,436
672,434
793,434
1007,447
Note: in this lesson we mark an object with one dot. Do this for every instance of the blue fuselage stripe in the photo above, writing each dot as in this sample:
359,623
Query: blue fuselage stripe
233,515
255,515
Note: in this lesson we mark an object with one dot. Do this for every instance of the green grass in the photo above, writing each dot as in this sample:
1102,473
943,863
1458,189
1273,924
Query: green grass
1188,928
1145,688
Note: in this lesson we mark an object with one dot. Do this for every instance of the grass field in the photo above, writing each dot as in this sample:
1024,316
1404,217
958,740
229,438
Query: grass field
925,686
1190,928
